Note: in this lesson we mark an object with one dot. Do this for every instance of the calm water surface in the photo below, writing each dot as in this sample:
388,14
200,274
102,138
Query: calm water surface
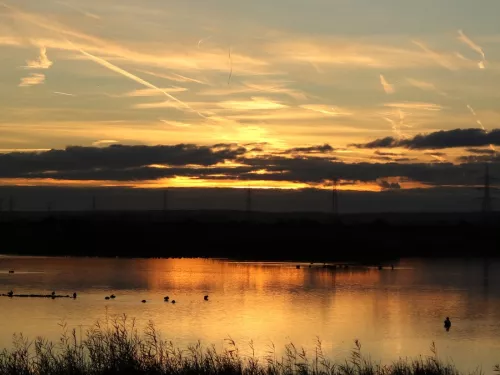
393,313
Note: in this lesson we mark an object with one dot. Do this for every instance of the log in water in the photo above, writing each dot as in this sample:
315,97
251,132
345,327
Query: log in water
35,295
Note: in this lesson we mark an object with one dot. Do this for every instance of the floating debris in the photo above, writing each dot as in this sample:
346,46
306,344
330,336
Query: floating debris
53,296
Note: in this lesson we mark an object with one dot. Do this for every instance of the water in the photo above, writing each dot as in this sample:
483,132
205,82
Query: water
393,313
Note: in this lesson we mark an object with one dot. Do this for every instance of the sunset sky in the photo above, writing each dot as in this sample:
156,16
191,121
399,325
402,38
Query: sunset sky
383,95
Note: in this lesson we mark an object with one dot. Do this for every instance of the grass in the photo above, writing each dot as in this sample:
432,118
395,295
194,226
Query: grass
117,347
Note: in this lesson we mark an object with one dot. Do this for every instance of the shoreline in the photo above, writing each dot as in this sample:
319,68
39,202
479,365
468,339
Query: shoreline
296,240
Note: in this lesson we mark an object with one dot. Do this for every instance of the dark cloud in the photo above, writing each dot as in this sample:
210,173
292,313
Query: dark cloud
76,158
485,151
386,185
473,137
133,163
479,159
436,153
383,158
404,160
387,142
319,149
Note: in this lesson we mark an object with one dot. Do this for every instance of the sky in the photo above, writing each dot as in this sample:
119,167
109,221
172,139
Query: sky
376,95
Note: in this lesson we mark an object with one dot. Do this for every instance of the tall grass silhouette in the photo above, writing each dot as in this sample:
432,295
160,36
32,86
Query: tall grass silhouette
117,347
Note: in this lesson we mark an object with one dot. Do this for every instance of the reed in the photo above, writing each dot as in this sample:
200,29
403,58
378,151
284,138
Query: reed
117,347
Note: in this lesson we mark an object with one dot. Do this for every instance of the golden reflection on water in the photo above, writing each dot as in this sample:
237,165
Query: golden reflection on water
392,312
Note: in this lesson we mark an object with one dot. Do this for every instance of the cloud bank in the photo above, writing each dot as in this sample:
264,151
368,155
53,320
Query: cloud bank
472,137
233,162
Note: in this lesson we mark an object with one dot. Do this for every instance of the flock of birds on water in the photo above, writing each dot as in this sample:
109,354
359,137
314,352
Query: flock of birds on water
166,298
447,322
54,296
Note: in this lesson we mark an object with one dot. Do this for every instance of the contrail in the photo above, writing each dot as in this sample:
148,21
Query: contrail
436,56
394,126
475,115
203,40
231,65
85,13
478,121
133,77
63,93
388,88
465,39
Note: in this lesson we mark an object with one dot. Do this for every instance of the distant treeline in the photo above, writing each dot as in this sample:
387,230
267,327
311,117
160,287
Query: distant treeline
288,239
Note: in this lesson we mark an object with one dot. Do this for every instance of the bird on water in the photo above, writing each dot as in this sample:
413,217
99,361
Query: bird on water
205,298
447,323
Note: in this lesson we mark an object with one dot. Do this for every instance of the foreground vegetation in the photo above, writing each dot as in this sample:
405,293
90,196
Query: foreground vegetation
117,347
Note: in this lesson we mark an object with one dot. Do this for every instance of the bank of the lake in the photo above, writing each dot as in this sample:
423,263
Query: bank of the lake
244,237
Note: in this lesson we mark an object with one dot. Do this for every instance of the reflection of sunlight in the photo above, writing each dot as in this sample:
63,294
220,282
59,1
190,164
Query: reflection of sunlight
180,182
217,181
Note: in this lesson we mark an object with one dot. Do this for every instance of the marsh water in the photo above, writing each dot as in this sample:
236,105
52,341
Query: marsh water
393,312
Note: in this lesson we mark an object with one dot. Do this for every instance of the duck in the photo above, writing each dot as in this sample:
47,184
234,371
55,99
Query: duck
166,298
173,301
143,301
106,297
205,298
112,296
447,323
74,295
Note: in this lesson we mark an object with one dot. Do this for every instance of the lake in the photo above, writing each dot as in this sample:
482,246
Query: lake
393,312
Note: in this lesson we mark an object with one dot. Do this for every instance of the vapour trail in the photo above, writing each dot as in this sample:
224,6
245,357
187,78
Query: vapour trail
85,13
63,93
388,88
466,40
231,66
478,121
203,40
133,77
